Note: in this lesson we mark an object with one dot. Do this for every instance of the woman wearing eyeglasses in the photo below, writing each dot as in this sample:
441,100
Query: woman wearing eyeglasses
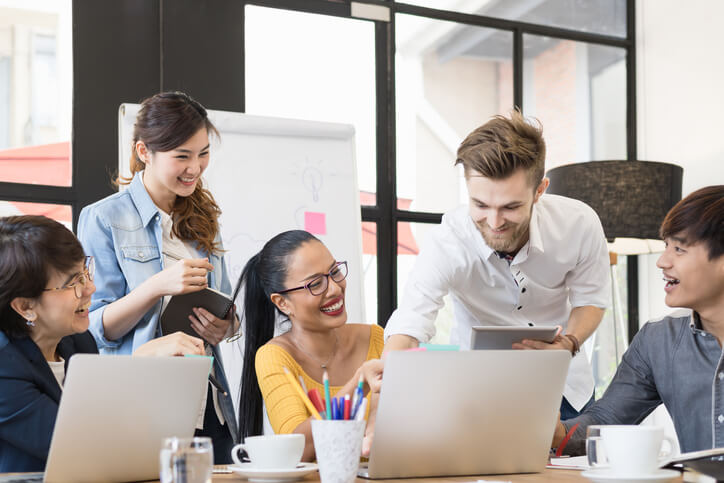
46,283
158,238
295,274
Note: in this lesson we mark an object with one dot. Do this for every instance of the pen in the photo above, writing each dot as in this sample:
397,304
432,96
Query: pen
357,395
304,397
327,397
361,411
347,404
214,382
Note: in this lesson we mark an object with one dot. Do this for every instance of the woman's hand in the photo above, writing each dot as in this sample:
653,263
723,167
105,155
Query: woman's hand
210,327
371,371
176,344
184,276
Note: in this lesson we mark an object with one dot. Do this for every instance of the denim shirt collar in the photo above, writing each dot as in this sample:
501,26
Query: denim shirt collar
695,323
144,204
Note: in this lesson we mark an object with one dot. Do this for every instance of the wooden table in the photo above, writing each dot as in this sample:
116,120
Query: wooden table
548,475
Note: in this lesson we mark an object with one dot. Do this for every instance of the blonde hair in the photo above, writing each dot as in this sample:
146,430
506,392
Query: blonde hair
503,145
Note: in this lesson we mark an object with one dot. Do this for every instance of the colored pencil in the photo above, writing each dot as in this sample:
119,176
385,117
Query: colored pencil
304,397
325,379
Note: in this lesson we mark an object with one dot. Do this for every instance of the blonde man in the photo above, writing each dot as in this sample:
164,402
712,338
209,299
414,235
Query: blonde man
513,256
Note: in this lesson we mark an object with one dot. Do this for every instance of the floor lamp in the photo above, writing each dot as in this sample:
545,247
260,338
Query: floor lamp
631,199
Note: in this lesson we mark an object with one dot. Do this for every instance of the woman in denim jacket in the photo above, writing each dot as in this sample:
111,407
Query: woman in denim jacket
158,238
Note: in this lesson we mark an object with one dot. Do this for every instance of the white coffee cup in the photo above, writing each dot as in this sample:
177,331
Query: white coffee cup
633,450
278,451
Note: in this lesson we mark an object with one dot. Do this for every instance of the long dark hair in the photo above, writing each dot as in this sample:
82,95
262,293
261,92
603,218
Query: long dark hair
164,122
263,275
31,247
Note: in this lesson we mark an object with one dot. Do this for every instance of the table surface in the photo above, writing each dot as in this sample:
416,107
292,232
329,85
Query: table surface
548,475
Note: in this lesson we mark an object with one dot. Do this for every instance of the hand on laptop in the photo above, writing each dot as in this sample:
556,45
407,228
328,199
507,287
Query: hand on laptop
176,344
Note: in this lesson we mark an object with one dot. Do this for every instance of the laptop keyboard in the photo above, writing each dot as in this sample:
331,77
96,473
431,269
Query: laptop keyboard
22,478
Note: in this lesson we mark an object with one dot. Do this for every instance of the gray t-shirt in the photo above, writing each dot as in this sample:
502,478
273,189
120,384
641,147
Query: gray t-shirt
670,361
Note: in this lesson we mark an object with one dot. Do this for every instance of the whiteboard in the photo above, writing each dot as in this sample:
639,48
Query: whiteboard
269,175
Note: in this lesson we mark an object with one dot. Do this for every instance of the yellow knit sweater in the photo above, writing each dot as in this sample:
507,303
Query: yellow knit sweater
285,408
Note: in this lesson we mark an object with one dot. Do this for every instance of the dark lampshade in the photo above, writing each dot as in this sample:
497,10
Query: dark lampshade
630,197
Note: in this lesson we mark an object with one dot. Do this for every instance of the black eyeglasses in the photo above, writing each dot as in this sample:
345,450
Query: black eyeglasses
318,285
79,281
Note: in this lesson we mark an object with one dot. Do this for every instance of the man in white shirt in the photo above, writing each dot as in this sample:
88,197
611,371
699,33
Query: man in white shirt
514,256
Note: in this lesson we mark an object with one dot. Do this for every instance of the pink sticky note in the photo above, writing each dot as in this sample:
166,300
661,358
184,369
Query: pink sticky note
315,222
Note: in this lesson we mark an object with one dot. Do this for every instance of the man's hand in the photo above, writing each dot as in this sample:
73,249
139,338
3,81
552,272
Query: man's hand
559,433
399,342
559,343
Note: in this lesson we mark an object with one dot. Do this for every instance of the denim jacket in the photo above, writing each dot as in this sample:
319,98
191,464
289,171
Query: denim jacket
123,233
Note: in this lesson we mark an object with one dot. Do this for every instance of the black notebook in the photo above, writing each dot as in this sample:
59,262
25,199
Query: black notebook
176,316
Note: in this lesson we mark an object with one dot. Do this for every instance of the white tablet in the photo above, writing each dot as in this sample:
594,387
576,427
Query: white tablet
503,337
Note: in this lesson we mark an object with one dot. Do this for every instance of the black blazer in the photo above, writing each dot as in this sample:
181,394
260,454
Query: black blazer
29,398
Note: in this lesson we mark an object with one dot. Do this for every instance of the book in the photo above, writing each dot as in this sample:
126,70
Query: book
175,317
709,462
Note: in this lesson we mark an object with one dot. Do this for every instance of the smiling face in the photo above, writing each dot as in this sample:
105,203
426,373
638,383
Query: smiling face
692,279
59,312
501,208
313,312
177,172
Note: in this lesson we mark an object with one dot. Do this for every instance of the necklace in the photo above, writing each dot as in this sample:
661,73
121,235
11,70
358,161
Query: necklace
325,363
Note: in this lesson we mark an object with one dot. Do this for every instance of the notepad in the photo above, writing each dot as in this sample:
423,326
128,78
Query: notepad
176,316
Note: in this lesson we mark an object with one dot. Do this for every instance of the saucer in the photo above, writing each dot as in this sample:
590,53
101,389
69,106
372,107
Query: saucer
605,475
266,475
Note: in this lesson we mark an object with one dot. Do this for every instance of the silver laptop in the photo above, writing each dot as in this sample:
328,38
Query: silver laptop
466,413
115,412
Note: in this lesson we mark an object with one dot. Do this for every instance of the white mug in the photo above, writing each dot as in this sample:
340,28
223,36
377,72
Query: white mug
633,450
278,451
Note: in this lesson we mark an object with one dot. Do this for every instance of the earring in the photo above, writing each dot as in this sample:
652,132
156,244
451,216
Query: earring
29,320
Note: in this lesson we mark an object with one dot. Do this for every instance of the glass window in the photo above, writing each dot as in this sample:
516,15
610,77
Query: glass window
61,213
578,92
369,267
606,346
35,92
450,78
410,236
606,17
313,77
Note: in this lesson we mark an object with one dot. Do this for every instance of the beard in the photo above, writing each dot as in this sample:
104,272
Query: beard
514,236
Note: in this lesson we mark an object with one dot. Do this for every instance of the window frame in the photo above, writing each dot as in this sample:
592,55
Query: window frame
150,49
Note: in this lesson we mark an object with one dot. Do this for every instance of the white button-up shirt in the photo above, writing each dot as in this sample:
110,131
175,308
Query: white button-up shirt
564,264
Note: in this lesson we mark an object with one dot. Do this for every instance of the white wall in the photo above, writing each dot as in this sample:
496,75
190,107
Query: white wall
680,96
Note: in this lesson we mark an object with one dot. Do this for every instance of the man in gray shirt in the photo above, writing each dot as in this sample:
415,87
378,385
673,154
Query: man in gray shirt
678,360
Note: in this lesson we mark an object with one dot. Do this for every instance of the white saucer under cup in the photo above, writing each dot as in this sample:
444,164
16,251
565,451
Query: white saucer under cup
604,475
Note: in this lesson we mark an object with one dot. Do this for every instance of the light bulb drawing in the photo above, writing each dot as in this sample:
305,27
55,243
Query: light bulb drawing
312,179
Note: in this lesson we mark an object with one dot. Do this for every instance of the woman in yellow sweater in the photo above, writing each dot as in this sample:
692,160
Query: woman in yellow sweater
295,274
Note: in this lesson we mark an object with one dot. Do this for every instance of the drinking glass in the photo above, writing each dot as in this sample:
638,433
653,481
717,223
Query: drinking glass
186,460
595,451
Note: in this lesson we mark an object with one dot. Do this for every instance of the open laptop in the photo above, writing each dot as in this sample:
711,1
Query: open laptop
115,412
466,413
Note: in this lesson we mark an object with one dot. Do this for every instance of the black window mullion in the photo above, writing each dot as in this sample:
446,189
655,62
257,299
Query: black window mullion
386,171
518,69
